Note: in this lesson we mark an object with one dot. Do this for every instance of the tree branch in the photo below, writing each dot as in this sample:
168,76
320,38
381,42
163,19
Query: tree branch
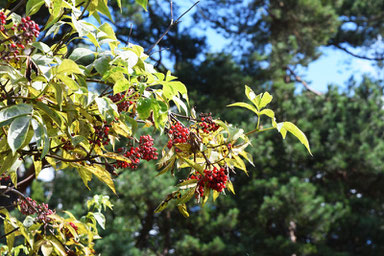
172,23
358,56
10,232
298,79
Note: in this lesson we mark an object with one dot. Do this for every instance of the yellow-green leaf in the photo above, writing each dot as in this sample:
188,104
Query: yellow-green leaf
169,166
183,210
230,187
244,105
187,196
265,100
68,67
215,195
251,95
192,164
268,112
116,156
290,127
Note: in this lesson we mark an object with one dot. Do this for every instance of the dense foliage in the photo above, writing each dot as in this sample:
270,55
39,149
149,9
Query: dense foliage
92,108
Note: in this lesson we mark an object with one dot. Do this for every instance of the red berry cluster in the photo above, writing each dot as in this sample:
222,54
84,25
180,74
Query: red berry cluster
145,151
215,179
133,154
23,34
5,177
67,233
177,134
122,104
3,20
207,124
42,210
101,135
28,29
67,145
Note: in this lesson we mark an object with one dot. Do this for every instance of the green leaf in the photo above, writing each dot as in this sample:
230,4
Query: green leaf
46,248
290,127
244,105
102,64
42,47
230,187
100,218
169,166
255,99
188,184
18,131
59,248
9,161
10,113
82,56
192,164
100,173
50,112
68,82
85,176
106,108
68,67
33,6
183,210
267,112
187,196
265,100
121,85
215,195
102,7
143,3
144,107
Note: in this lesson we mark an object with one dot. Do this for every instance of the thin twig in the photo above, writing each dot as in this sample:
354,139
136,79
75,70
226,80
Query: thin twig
298,79
9,189
171,7
358,56
172,23
10,232
258,130
16,7
130,33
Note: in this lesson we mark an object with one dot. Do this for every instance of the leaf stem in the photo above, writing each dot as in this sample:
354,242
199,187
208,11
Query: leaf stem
258,130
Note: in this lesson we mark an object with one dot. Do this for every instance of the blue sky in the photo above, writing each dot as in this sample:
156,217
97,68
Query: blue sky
333,67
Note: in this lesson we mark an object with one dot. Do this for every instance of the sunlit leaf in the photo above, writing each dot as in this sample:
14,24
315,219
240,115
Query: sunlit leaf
290,127
18,131
244,105
265,100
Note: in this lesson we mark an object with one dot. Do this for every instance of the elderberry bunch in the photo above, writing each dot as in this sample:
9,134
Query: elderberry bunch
68,233
32,207
100,137
5,177
19,36
147,151
3,20
122,103
133,154
207,124
215,179
177,134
